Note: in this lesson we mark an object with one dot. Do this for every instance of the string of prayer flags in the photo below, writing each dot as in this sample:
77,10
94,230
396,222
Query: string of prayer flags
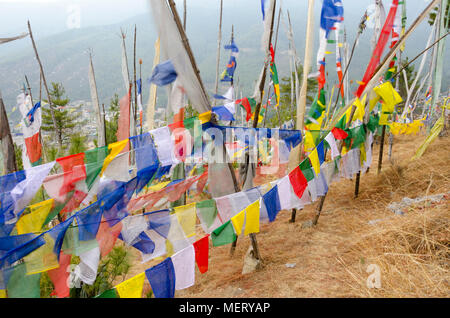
131,288
228,73
18,189
162,279
274,76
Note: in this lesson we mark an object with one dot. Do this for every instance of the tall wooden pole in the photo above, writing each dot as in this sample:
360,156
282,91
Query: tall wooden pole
301,103
219,44
6,141
255,123
45,83
135,83
184,15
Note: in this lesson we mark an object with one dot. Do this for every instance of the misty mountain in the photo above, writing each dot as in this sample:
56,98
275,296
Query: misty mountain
65,55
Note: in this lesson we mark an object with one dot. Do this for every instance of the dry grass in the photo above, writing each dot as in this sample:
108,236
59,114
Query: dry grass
331,259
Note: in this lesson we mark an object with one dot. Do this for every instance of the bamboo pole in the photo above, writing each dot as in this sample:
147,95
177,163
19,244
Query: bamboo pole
134,78
301,102
219,44
45,84
6,141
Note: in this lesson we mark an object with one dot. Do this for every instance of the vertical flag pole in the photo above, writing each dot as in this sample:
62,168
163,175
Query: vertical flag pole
45,82
219,40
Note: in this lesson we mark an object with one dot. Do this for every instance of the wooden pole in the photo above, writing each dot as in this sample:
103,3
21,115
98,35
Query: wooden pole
134,78
6,141
184,15
322,199
301,103
255,124
45,84
219,44
380,155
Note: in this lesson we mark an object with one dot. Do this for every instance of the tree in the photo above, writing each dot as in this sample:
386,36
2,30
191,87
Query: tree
65,122
77,144
113,122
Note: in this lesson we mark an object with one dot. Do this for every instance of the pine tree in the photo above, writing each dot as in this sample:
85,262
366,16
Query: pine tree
65,122
288,107
113,121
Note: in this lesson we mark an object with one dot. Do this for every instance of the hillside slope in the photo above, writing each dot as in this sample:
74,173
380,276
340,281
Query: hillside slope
331,259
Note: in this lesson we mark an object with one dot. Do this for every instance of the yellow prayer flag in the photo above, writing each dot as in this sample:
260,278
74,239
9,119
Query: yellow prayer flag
309,141
389,96
238,222
205,117
34,221
362,157
314,157
42,259
115,148
131,288
2,293
187,217
252,218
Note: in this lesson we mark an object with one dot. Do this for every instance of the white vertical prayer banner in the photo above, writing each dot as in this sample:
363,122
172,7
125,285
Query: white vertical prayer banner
184,266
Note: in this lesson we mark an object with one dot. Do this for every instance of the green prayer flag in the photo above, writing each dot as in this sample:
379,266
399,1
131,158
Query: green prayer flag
224,234
207,211
110,293
21,285
307,170
93,160
358,136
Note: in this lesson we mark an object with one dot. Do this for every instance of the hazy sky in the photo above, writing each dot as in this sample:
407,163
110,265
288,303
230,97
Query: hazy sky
54,16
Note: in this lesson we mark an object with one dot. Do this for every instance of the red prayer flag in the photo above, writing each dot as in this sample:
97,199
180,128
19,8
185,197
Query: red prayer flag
201,248
123,127
60,275
339,134
34,148
74,171
246,104
378,51
298,181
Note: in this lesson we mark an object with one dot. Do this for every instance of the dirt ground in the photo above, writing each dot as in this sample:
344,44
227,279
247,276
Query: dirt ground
332,259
